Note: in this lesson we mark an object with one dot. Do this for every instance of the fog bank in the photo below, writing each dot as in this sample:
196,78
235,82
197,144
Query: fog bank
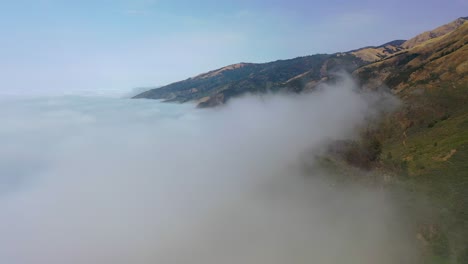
96,180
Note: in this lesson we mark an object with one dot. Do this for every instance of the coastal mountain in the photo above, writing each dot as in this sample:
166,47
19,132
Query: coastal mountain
233,80
427,64
216,87
298,74
422,147
425,142
305,73
371,54
438,32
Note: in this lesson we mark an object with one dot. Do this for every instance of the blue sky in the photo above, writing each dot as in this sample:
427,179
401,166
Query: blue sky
65,46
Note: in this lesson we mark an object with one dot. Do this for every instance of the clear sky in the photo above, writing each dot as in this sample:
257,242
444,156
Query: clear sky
65,46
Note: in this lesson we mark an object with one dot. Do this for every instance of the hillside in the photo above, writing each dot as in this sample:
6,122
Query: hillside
218,86
425,143
303,73
421,148
440,31
427,65
372,54
237,79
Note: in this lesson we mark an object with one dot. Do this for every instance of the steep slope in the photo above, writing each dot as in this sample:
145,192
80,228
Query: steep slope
303,73
236,79
426,65
438,32
371,54
347,61
426,141
422,147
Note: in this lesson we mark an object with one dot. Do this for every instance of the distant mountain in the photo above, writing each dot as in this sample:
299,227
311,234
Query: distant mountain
391,64
422,147
217,86
298,74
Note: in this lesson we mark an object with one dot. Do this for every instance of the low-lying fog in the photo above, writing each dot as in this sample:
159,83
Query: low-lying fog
93,180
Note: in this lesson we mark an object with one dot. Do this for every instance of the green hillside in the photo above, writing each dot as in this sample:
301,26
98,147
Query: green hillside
421,148
296,75
425,143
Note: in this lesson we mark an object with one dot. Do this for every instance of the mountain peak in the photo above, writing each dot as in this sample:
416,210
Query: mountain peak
305,73
435,33
221,70
375,53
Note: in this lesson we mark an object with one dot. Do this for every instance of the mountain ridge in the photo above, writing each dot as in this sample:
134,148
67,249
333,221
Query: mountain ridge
217,86
437,32
295,75
422,147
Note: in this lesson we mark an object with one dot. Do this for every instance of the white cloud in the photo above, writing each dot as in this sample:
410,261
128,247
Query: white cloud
135,181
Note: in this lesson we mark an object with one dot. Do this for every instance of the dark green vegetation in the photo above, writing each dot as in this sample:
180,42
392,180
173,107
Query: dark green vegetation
294,75
422,148
216,87
429,150
424,144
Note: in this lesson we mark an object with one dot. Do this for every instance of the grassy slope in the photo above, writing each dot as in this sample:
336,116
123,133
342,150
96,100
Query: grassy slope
426,65
418,164
431,158
249,78
216,87
425,143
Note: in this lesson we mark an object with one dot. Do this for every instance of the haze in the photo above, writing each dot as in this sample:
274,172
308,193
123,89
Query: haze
89,176
93,180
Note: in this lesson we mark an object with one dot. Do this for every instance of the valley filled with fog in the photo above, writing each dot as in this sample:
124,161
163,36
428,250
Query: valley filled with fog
88,180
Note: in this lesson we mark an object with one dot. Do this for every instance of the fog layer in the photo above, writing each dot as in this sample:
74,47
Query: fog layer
95,180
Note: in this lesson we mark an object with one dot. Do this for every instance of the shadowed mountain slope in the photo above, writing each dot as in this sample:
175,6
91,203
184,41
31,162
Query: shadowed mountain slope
422,147
398,64
298,74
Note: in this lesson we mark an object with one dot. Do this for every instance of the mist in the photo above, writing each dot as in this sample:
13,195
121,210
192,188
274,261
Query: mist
86,180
